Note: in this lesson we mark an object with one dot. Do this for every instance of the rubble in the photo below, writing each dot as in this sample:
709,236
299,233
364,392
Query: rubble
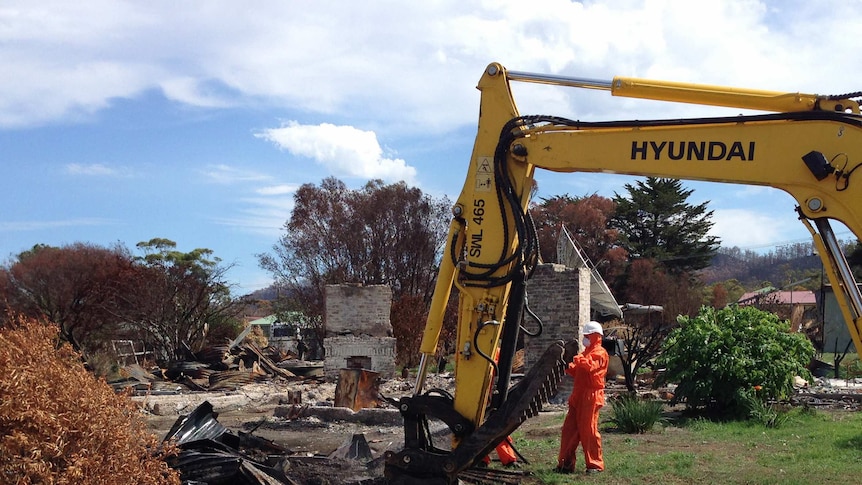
219,368
212,454
355,448
299,414
843,394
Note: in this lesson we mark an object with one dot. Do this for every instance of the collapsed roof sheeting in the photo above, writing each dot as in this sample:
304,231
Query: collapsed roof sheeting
212,466
210,454
200,424
571,255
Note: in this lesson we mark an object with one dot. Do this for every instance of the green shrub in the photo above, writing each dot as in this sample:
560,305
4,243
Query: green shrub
719,355
635,415
760,411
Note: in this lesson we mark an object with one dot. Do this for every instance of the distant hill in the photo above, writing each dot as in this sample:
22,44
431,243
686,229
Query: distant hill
779,267
269,293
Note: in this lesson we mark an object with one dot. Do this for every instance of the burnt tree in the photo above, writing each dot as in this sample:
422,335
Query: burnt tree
377,235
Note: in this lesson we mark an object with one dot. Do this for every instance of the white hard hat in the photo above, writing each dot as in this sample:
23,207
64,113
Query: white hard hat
593,327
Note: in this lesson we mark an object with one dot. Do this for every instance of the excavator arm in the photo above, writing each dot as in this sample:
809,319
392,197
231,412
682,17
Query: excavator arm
806,145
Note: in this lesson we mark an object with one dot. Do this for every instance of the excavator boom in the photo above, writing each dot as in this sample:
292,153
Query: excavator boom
806,145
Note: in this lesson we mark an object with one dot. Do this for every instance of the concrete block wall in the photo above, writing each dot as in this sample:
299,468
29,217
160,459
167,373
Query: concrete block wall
339,351
560,297
358,310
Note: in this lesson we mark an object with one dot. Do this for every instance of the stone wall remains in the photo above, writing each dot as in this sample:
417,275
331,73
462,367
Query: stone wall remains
560,297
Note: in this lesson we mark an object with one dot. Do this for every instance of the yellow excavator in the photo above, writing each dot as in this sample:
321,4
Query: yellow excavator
807,145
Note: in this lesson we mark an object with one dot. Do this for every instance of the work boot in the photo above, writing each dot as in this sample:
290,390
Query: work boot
590,471
563,470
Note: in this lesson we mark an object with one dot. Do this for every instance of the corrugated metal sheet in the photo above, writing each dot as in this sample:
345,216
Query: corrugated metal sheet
210,453
200,424
781,297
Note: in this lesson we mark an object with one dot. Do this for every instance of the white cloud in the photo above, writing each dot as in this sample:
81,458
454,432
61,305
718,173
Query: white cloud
226,174
749,229
61,60
195,92
343,150
753,191
262,215
281,189
266,211
96,169
15,226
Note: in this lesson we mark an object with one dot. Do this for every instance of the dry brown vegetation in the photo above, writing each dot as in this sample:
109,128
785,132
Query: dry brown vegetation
60,425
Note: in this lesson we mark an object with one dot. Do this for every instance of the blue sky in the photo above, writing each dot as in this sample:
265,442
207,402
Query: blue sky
196,121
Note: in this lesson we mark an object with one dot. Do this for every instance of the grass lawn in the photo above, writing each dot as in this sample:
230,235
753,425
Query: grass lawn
815,447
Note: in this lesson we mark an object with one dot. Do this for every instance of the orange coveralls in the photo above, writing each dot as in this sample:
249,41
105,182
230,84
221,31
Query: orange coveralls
588,396
504,449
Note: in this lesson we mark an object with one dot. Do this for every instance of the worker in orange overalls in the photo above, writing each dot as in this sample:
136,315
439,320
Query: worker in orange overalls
504,449
505,452
588,396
